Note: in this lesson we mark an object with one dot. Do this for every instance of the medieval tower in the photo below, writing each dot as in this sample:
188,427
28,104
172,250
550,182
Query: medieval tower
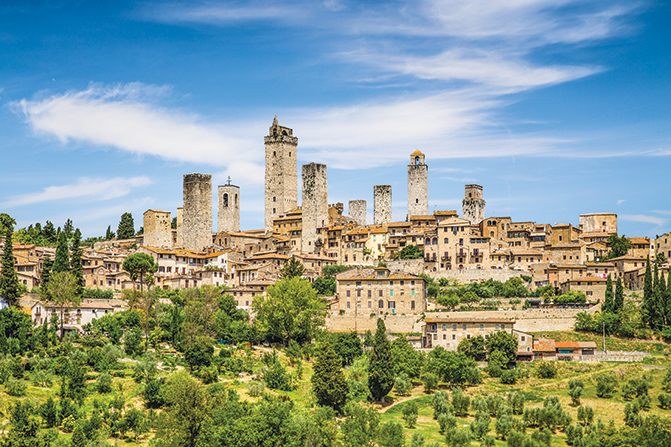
157,229
315,205
228,215
357,211
382,204
418,185
197,213
473,204
281,173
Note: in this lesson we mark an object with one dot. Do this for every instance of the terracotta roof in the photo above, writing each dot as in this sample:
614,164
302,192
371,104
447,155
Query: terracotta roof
639,240
588,278
445,213
467,320
417,152
371,274
543,345
423,217
268,256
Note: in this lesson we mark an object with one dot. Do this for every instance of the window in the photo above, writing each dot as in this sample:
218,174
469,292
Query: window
412,304
348,294
454,336
391,292
370,293
380,304
348,304
444,336
464,327
482,327
370,304
391,304
454,327
524,338
444,327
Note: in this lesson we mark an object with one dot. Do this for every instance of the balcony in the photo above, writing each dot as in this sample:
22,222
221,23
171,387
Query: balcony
446,258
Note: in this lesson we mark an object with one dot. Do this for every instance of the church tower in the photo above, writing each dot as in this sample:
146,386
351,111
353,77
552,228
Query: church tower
228,217
418,185
281,173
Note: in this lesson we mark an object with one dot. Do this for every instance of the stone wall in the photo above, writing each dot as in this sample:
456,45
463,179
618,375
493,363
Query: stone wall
228,218
180,220
418,189
197,213
414,266
357,211
468,276
315,204
529,320
157,229
382,204
281,173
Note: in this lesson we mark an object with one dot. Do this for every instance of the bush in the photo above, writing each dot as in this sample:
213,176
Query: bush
209,375
430,381
276,378
255,388
69,424
410,412
104,383
605,385
546,370
402,385
15,387
509,377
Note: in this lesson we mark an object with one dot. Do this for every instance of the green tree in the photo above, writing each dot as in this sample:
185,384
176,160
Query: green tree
10,288
410,252
361,426
473,347
290,311
619,246
126,228
504,342
410,413
406,359
49,233
62,261
62,288
109,234
293,268
648,311
391,435
618,301
139,265
188,410
469,298
608,305
76,261
78,437
328,381
381,369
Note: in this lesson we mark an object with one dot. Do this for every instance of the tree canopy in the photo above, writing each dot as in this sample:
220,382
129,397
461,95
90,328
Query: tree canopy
126,229
139,265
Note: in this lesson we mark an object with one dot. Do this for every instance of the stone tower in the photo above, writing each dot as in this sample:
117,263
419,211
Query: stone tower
228,215
473,204
418,185
281,173
357,211
157,229
197,212
179,235
382,204
315,205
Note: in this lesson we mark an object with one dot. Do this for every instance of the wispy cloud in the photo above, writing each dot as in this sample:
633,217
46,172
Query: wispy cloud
101,189
621,201
128,117
643,218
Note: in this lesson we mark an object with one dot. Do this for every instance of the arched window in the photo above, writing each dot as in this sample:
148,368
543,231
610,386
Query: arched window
225,200
274,153
416,200
284,132
435,241
236,200
274,199
416,160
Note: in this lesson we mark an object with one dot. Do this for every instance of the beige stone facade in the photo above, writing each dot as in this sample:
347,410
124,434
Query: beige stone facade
228,200
448,332
357,211
473,205
663,246
157,229
382,199
197,213
418,185
314,205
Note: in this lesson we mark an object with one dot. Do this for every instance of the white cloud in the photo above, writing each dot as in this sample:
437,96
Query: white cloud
643,218
621,201
85,187
127,118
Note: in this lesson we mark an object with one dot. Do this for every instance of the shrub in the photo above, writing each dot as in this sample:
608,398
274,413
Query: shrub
430,381
509,377
276,378
256,388
410,412
104,383
546,370
605,385
69,424
15,387
402,385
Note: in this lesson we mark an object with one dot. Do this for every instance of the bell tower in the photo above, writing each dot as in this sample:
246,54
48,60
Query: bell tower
418,185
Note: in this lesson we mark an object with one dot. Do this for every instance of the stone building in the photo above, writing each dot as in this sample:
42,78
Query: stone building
599,223
663,245
197,214
593,287
357,211
448,332
228,216
314,204
157,229
382,204
473,205
281,173
418,185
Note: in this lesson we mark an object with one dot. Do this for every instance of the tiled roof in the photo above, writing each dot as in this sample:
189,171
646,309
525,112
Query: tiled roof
544,345
467,320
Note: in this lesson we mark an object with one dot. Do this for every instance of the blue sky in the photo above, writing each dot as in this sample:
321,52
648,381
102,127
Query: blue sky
557,108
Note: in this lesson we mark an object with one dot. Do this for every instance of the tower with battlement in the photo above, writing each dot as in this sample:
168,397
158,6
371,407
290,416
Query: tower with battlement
281,173
382,204
314,204
228,209
357,211
418,185
473,205
157,229
197,212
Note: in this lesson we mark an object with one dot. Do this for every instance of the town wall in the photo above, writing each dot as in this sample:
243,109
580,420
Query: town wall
382,204
197,214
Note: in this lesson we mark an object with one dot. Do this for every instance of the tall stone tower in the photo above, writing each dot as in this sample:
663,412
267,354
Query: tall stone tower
382,204
418,185
281,172
357,211
180,228
197,213
473,204
228,215
315,205
157,229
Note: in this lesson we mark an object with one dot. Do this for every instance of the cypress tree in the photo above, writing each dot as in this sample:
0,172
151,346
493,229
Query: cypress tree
667,306
76,261
62,262
657,300
328,382
662,304
618,302
10,289
381,370
78,437
608,299
126,228
648,313
45,276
